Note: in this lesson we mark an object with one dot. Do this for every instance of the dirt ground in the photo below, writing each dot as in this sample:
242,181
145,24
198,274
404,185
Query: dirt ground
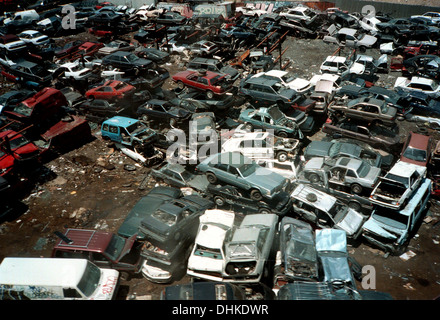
90,187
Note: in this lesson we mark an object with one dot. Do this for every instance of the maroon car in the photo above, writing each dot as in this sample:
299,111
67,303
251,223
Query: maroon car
417,149
211,82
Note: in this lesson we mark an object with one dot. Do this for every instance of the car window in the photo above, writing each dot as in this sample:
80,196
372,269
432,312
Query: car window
113,129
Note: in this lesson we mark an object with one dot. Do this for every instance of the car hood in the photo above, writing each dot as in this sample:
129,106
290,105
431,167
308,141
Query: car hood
373,174
199,182
288,93
198,263
142,62
266,179
232,72
351,222
381,229
369,40
317,149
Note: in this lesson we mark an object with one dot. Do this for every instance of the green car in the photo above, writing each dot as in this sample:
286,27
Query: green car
271,118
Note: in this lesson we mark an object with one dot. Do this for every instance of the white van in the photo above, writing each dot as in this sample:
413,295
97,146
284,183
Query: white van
55,279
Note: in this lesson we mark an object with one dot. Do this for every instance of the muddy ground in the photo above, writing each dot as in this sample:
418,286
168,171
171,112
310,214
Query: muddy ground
90,187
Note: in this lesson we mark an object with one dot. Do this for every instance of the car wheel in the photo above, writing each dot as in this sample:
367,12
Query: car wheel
209,94
219,201
282,134
256,195
282,156
356,188
362,49
264,211
356,206
280,104
211,177
145,117
387,30
313,178
125,276
180,85
249,127
173,122
411,69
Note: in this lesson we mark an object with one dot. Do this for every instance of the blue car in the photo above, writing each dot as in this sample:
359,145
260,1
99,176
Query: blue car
127,131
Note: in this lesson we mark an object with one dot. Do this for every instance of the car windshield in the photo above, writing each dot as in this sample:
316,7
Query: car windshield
400,179
391,218
384,107
131,57
136,127
38,70
90,279
113,44
18,142
415,154
334,149
115,247
363,169
216,79
275,114
23,110
164,217
206,252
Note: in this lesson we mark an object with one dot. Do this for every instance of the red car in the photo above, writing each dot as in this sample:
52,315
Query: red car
111,90
417,149
211,82
15,147
86,49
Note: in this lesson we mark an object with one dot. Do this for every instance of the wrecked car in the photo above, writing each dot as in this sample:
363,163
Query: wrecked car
395,189
392,229
242,172
352,38
297,253
162,110
248,249
354,173
105,249
326,211
207,259
177,176
213,65
417,149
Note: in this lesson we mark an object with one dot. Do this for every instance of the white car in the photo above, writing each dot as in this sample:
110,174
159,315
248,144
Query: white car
341,65
428,86
250,10
433,16
298,84
300,12
369,24
286,168
207,259
89,62
12,43
351,38
76,71
397,186
34,37
262,145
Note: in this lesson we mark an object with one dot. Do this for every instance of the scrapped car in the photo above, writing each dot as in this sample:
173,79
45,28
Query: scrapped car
126,61
354,173
175,219
197,101
392,229
298,258
170,18
351,38
105,249
423,65
30,72
74,70
298,84
341,66
248,249
210,82
147,204
270,118
395,189
155,55
12,43
162,110
127,131
207,259
214,65
367,109
376,135
326,211
116,45
331,151
242,172
300,13
177,176
331,246
262,145
230,197
287,168
111,90
204,290
34,37
100,110
428,86
11,98
417,149
203,48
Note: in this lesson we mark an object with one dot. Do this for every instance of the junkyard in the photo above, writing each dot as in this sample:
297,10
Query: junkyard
270,151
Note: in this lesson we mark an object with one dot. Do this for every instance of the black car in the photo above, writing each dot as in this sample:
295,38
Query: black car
215,65
150,33
175,219
394,24
27,71
204,291
126,61
11,98
99,110
104,18
423,65
419,32
162,110
156,55
196,101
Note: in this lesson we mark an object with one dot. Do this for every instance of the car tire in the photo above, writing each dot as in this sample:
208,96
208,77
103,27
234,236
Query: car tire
362,49
313,178
219,201
209,94
356,188
256,195
212,179
282,134
356,206
180,85
282,156
145,117
264,210
249,127
125,276
173,122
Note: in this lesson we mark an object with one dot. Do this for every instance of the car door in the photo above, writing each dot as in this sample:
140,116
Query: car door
235,178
